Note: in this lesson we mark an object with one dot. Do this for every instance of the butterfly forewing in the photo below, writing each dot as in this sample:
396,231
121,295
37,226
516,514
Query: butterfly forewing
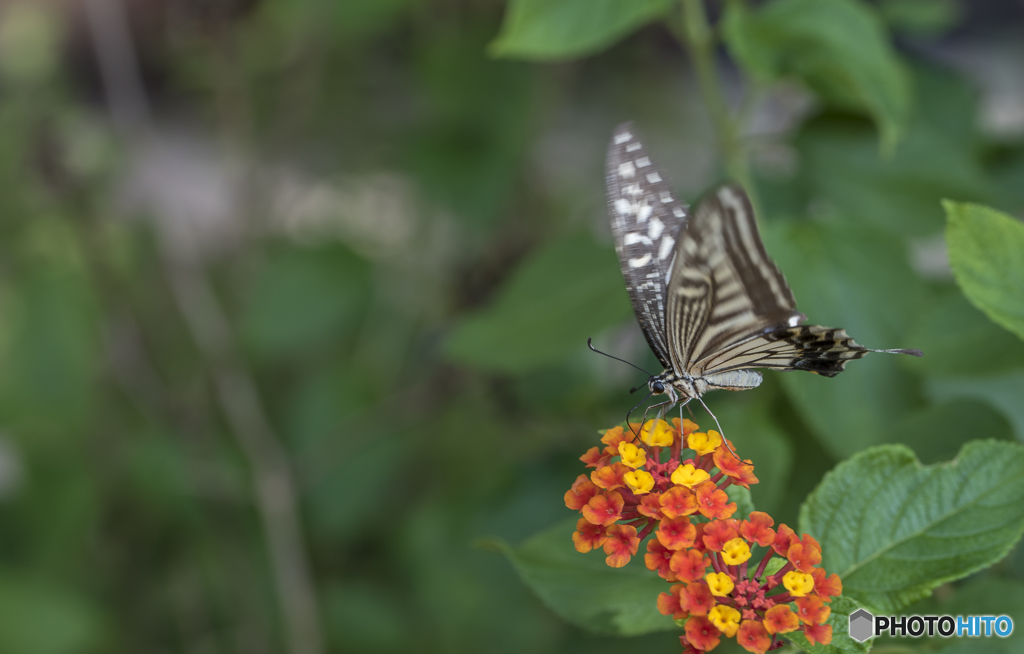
646,218
723,288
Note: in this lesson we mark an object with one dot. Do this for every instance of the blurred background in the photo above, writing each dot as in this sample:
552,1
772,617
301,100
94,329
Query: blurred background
294,299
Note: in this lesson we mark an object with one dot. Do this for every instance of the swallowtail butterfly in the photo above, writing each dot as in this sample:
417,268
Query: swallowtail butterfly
709,299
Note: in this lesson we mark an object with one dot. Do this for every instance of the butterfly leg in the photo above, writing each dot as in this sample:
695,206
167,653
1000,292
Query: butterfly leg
729,447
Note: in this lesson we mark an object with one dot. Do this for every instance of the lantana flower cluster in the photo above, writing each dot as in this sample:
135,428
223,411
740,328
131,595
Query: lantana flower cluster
677,494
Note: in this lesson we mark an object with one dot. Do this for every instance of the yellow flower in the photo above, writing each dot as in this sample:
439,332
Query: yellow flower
719,583
657,433
639,481
687,475
725,618
737,551
798,583
704,443
632,456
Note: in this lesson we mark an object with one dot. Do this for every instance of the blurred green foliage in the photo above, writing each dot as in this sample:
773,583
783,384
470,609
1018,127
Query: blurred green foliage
412,258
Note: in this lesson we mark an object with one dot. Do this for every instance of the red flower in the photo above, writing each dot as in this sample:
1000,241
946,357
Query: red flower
689,565
719,532
604,509
701,633
676,533
758,529
659,558
696,598
678,501
753,637
588,536
622,544
712,501
818,634
826,587
580,493
811,610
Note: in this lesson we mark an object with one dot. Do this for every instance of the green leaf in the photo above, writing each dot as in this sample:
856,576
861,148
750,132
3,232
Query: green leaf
839,47
960,340
923,18
1000,391
985,249
849,276
938,432
744,503
893,529
583,590
564,29
841,643
569,290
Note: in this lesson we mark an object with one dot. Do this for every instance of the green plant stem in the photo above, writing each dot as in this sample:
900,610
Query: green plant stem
699,41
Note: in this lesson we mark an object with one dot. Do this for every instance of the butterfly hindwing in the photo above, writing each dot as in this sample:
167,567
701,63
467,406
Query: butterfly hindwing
724,288
645,219
821,350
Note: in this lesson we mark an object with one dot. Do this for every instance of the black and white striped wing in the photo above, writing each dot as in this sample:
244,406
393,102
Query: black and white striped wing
723,289
645,219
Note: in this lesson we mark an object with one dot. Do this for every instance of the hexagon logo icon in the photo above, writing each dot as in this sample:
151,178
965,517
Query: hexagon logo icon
862,625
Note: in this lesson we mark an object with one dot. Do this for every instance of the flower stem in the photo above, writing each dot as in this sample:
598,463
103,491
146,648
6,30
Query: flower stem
698,38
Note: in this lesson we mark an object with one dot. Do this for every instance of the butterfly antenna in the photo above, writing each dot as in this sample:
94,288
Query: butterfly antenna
724,439
591,346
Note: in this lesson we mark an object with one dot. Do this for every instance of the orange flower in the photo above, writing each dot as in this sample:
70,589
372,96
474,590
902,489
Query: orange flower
650,506
753,637
758,529
588,536
689,426
676,533
780,620
668,603
712,502
818,634
604,509
719,532
805,554
659,559
811,610
678,501
688,565
612,437
696,598
622,544
784,539
580,493
609,477
826,587
701,633
595,458
741,472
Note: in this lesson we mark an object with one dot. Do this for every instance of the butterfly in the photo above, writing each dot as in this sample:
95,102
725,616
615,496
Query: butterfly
713,305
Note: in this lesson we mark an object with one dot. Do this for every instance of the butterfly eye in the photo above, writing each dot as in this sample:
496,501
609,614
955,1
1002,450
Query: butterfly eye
657,387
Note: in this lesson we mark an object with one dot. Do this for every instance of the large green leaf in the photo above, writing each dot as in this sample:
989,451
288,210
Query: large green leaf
563,29
583,589
569,290
960,340
893,529
841,643
857,278
839,47
985,252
